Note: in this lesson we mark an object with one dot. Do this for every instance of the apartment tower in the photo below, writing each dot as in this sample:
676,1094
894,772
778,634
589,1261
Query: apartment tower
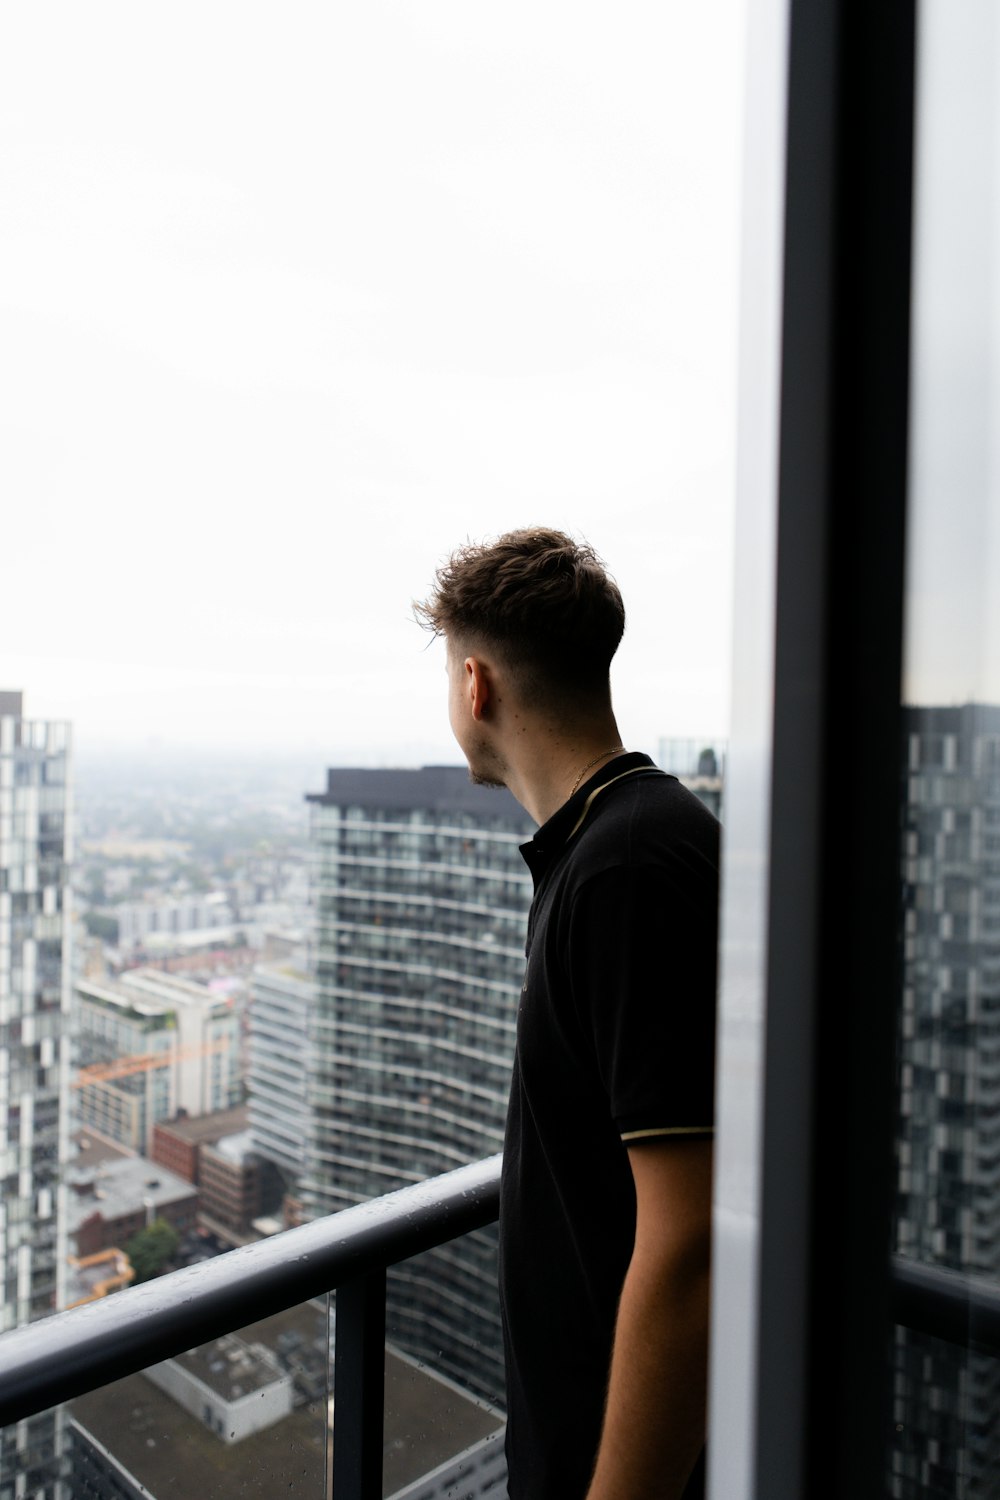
947,1400
35,851
282,1001
422,896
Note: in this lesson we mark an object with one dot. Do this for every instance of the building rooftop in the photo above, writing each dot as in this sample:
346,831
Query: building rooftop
435,788
92,1149
150,992
173,1456
267,1225
208,1129
96,1276
427,1421
235,1148
964,718
192,939
293,971
115,1188
115,994
231,1367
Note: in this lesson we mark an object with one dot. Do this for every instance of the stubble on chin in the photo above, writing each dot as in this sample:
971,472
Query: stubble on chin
483,778
485,774
486,768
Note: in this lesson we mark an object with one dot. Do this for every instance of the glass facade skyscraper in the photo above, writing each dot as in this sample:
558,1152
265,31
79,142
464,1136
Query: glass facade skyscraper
949,1202
946,1399
422,896
283,998
35,850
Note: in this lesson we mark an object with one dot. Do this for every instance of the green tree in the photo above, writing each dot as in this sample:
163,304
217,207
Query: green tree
150,1249
100,926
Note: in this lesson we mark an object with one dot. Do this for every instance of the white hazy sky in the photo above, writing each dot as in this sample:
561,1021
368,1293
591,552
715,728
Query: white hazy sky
953,604
294,299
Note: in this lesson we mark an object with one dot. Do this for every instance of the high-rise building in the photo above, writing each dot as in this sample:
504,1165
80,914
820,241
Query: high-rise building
421,899
948,1207
149,1045
35,851
700,764
282,998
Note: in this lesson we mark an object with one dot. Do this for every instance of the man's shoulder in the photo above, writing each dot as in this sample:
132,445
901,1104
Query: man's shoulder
645,832
646,818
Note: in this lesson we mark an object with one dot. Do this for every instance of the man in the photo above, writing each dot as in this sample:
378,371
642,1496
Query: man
606,1187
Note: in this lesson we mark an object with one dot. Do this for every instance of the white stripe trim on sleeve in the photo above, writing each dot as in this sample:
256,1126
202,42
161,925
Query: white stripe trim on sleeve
638,1135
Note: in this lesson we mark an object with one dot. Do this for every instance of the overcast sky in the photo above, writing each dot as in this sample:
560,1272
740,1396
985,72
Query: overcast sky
295,299
953,604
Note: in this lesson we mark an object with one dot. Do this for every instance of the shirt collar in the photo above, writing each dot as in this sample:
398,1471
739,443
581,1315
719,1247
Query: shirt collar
550,839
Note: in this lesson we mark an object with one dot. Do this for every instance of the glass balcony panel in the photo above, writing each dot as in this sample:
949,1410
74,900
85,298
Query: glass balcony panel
945,1438
33,1458
444,1393
245,1415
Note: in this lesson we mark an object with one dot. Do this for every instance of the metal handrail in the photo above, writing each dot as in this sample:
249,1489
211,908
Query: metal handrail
45,1363
62,1356
946,1304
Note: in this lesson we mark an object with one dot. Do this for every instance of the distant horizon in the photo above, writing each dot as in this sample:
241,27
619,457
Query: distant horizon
316,758
405,751
282,757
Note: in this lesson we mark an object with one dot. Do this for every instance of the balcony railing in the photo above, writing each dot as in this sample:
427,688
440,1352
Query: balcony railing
960,1309
46,1363
63,1356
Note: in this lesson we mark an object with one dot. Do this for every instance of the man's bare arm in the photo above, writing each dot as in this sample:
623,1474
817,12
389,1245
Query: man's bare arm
654,1424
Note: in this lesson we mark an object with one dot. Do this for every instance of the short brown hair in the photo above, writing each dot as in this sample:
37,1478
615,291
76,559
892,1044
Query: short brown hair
541,601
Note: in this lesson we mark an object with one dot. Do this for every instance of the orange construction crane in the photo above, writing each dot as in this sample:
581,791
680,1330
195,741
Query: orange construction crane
123,1067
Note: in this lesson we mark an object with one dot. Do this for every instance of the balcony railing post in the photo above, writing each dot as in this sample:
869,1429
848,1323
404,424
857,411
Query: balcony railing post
359,1388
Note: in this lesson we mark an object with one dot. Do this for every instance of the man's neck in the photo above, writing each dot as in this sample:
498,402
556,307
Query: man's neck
546,773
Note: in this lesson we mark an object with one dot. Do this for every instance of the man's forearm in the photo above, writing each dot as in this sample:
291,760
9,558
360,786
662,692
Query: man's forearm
654,1425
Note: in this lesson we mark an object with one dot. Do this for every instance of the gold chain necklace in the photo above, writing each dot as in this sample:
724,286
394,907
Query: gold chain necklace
613,751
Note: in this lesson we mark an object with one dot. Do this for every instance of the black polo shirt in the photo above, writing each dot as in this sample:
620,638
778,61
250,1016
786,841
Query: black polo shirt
615,1043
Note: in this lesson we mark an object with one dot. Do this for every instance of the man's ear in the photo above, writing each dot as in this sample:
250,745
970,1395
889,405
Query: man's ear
478,686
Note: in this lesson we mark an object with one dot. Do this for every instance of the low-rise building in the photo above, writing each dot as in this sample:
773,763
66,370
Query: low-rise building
94,1276
232,1187
234,1388
235,1184
177,1142
142,1439
110,1201
148,1045
140,920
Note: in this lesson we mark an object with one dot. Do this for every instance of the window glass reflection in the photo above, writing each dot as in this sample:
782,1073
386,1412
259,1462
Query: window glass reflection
946,1398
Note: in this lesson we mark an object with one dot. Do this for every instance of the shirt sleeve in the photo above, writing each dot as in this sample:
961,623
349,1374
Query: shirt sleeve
642,963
